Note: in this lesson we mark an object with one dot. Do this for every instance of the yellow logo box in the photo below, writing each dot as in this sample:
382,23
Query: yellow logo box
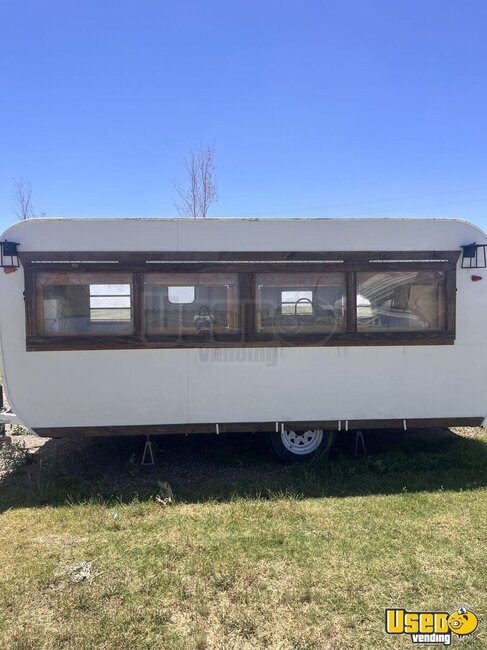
399,621
460,622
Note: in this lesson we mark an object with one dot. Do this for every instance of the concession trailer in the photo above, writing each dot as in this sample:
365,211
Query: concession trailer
293,327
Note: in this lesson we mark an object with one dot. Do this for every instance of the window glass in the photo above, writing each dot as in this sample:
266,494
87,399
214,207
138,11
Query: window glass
84,303
185,303
401,301
291,303
296,302
301,302
180,295
110,302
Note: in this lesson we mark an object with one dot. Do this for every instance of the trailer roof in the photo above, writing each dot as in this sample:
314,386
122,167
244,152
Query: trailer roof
252,234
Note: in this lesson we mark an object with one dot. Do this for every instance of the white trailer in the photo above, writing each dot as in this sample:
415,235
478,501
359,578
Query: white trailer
295,327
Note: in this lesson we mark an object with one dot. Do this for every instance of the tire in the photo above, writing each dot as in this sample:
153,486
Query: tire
300,446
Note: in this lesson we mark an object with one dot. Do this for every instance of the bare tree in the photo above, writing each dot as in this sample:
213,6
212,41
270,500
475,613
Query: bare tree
195,199
23,199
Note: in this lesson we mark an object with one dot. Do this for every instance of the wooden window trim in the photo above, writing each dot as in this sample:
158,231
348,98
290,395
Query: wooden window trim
231,280
138,304
247,305
351,307
126,258
246,265
33,284
441,300
282,282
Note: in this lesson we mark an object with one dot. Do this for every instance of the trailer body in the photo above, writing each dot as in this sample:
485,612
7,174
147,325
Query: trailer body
140,326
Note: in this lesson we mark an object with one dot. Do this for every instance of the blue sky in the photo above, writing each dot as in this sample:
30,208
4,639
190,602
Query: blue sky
316,107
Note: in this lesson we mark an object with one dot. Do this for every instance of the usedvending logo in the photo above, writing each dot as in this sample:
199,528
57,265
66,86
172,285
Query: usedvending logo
431,627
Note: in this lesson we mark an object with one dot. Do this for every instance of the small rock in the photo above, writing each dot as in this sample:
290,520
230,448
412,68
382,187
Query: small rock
81,572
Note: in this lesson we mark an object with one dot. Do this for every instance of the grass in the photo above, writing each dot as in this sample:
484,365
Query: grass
252,554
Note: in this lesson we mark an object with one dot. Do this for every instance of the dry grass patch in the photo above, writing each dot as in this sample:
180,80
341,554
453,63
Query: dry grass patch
248,571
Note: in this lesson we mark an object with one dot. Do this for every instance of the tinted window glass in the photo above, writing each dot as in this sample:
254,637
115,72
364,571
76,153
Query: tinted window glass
401,301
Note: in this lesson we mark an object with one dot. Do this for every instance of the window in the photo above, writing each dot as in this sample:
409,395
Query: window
70,304
252,300
401,301
180,295
301,302
110,302
191,304
296,302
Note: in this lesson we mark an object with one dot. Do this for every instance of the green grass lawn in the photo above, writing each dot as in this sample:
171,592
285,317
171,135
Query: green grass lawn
252,554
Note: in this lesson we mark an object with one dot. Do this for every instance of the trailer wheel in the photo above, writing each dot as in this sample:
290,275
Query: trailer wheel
300,446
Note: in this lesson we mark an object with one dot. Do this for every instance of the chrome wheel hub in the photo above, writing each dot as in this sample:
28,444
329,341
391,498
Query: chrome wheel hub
302,442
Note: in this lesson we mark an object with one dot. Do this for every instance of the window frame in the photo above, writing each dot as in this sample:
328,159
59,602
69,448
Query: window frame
231,280
441,284
285,281
88,279
247,266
